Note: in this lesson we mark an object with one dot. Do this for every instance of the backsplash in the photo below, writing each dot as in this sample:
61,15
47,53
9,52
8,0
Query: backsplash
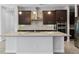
36,27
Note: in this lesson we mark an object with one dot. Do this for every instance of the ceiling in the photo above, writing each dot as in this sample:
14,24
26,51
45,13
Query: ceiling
45,5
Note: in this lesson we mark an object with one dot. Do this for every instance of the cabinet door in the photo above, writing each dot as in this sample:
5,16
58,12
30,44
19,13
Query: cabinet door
78,9
25,17
72,18
61,15
49,18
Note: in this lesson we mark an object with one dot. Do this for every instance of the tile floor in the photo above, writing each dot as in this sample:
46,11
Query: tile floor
69,48
2,48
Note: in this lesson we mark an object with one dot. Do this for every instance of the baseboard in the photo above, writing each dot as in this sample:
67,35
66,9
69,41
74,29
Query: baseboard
58,52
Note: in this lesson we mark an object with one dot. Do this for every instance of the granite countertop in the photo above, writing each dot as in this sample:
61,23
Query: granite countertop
25,34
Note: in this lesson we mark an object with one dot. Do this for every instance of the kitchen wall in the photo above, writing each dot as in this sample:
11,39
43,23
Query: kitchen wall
8,19
76,11
0,23
38,25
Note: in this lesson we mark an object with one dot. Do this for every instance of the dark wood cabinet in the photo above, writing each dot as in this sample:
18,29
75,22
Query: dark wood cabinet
72,18
25,17
49,18
78,9
61,15
72,23
72,33
61,18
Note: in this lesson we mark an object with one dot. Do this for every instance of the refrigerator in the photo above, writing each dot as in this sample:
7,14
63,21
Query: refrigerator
76,40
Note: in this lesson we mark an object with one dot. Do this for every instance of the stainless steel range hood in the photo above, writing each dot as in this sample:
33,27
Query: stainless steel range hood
37,14
38,19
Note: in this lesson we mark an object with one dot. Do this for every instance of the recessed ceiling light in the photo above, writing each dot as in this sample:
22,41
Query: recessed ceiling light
20,12
49,12
34,12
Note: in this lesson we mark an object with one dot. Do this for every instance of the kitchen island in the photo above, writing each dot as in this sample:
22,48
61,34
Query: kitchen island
34,42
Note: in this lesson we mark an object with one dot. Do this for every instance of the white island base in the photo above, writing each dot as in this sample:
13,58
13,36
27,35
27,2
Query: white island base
34,44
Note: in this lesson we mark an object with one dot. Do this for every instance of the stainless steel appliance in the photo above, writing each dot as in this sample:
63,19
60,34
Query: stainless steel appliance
76,40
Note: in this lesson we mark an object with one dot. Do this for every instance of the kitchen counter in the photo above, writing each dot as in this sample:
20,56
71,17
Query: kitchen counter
34,42
52,33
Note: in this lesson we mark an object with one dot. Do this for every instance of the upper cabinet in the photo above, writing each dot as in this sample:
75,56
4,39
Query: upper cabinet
49,17
78,9
24,17
54,16
72,18
61,15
